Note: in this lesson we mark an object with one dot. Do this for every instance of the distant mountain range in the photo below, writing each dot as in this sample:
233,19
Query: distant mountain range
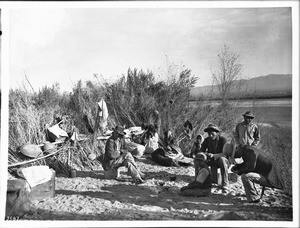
272,85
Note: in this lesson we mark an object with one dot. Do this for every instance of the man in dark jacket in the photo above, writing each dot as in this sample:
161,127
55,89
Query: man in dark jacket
115,156
255,168
213,146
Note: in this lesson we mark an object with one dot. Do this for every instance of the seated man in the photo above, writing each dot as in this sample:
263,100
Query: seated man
201,186
256,167
213,146
115,156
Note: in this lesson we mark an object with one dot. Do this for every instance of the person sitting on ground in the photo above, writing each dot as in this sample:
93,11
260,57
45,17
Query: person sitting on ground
170,153
256,167
213,146
246,132
202,184
115,156
151,139
155,120
196,145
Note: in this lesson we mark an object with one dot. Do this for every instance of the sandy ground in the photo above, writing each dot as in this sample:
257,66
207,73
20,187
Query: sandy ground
91,197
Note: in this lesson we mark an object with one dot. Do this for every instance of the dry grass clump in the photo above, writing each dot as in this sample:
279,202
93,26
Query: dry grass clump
26,122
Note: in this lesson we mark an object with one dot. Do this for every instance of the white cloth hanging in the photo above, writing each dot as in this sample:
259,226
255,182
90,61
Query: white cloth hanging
103,113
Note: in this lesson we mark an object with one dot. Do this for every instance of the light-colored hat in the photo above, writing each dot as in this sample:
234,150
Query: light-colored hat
201,156
248,114
212,127
229,150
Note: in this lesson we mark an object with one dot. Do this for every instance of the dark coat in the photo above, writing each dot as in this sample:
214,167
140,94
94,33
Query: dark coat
111,152
213,146
256,161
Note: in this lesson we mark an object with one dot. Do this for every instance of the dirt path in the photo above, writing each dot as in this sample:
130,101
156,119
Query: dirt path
91,197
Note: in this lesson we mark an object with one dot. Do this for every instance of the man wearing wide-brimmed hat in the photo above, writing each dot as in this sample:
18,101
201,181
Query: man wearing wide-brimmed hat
246,132
115,156
212,146
201,186
256,167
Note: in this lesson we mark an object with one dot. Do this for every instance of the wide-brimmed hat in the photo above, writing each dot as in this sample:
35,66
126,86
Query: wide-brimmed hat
229,150
212,127
119,130
248,114
200,156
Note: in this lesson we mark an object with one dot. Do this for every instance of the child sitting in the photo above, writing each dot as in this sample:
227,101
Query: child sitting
196,145
201,186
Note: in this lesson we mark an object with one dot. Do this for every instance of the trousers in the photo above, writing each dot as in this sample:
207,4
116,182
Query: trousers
158,156
126,159
248,180
223,164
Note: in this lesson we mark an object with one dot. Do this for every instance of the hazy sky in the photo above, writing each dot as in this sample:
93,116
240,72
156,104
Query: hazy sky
66,45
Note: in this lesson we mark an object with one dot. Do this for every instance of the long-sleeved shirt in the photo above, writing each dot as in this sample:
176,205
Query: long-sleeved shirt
213,146
113,149
247,134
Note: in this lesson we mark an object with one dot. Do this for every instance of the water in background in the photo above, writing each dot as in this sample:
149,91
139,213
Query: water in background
266,111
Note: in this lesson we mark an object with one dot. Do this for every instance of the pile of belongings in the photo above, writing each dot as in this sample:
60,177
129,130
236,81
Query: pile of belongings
34,182
55,133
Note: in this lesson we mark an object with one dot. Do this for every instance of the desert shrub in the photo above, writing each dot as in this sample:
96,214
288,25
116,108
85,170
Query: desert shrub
31,113
277,142
82,105
25,122
128,100
133,98
47,97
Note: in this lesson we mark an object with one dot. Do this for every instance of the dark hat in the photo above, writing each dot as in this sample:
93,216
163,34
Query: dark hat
248,114
201,156
119,130
212,127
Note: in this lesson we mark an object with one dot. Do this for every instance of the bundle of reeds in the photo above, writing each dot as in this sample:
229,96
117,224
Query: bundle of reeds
75,156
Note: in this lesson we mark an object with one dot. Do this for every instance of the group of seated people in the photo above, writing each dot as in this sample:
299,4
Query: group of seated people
207,155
